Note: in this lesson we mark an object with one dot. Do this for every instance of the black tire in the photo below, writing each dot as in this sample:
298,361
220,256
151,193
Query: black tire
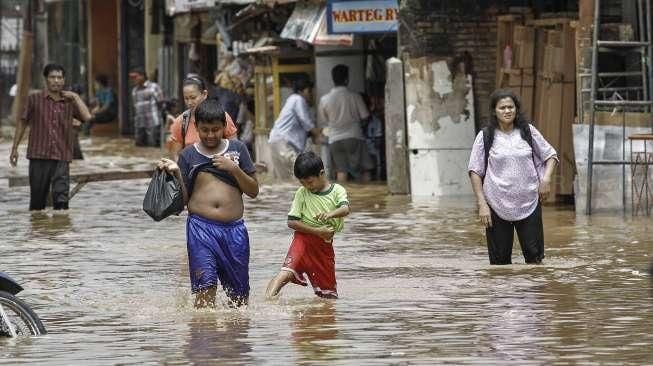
24,321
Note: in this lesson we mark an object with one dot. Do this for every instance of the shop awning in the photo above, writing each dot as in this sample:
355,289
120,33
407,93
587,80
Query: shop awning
182,6
307,23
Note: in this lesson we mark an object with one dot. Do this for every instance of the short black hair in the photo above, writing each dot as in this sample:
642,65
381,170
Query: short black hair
209,111
102,79
194,80
340,75
140,70
53,67
308,164
300,84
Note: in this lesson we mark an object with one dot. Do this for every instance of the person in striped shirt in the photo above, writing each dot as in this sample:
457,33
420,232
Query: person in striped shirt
50,114
146,95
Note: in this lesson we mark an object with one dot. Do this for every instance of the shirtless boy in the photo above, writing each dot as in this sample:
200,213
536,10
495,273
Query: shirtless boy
213,174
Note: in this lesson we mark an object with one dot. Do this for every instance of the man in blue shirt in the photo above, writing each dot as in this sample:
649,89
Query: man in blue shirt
290,131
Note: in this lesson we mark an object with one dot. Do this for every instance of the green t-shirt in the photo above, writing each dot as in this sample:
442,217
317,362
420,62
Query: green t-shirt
307,205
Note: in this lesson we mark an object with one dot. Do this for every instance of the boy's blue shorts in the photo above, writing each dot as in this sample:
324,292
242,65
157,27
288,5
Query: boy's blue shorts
218,251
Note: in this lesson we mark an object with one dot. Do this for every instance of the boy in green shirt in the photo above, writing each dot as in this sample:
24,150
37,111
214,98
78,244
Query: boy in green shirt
316,214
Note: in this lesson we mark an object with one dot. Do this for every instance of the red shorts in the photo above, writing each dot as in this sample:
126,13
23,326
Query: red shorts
309,255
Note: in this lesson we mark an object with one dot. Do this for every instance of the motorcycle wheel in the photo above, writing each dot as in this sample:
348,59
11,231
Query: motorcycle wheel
17,319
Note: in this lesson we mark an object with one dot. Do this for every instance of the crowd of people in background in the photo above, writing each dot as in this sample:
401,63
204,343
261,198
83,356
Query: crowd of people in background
348,123
351,123
352,133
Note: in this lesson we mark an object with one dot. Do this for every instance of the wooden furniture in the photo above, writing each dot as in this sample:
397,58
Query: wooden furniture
82,178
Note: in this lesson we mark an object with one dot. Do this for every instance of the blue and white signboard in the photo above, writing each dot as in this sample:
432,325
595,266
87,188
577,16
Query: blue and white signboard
365,16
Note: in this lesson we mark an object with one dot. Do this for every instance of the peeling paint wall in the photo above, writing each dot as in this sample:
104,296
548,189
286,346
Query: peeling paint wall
440,119
447,28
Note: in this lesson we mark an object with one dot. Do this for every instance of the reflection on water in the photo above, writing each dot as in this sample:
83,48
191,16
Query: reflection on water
313,330
221,336
49,225
413,277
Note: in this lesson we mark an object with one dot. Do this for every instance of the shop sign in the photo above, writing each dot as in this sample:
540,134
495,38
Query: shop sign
370,16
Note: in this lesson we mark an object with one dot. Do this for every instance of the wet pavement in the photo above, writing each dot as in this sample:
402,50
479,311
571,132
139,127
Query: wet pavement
415,286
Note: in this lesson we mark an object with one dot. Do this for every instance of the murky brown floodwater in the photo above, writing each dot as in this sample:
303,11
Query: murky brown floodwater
415,285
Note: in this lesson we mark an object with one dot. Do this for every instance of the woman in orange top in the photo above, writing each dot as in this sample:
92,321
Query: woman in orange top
195,92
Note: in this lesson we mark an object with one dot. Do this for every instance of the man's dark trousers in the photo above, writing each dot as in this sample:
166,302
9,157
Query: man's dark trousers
43,174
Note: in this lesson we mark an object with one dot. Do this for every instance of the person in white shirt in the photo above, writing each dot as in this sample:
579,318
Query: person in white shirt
343,110
291,129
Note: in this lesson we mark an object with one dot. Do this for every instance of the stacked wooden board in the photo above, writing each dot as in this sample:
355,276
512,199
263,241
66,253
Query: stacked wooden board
555,100
543,75
519,76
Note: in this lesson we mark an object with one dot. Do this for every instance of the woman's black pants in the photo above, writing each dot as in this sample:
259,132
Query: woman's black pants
529,231
46,174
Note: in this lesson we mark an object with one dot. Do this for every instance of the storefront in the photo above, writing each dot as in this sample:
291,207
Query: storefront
360,35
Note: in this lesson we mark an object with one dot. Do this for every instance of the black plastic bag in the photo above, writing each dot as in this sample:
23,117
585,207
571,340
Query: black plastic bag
163,197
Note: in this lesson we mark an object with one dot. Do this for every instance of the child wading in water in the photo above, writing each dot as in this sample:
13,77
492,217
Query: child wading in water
213,174
316,214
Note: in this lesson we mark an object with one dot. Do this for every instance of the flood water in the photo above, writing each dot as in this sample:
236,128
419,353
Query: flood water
414,282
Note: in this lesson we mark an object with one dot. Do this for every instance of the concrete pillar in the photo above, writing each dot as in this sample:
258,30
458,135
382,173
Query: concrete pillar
396,147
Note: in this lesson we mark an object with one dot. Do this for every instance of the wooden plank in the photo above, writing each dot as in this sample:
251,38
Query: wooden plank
566,152
569,56
505,25
551,130
21,181
548,22
633,119
526,93
523,49
509,18
76,189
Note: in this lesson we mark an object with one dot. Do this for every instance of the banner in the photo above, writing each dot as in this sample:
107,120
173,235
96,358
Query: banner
369,16
307,24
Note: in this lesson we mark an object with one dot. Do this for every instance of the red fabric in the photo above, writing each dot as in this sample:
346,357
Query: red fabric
51,127
310,255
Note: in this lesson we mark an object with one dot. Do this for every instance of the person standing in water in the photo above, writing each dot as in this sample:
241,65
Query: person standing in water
213,174
316,214
50,114
291,129
182,130
510,169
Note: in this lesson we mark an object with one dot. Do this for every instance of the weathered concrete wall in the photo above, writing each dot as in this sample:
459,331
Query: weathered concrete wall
449,29
440,120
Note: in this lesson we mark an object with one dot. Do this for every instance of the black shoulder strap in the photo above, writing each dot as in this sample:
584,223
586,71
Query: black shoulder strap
528,136
488,139
185,120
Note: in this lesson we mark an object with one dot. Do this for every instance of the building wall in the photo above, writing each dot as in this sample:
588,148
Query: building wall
449,29
103,35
